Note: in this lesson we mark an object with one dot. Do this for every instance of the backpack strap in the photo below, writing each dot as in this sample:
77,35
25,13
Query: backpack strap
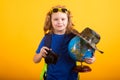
47,40
43,73
47,43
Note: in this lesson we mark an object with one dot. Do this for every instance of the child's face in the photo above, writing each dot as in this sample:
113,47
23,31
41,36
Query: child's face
59,22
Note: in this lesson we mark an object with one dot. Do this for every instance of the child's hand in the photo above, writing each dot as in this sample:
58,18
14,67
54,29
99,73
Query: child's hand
37,58
43,51
89,60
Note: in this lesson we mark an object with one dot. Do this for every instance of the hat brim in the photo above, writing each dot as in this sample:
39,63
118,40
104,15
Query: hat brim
92,45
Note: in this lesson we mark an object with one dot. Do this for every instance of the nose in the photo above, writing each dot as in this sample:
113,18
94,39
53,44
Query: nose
59,21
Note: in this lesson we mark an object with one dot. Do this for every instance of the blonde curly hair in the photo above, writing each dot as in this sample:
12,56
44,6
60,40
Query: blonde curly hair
48,25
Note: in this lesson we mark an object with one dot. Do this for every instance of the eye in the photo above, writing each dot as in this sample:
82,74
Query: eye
56,19
63,19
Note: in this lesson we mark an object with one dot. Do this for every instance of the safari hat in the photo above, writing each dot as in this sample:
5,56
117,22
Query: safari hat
90,37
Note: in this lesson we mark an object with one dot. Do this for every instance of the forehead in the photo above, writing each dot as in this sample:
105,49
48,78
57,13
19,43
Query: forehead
59,15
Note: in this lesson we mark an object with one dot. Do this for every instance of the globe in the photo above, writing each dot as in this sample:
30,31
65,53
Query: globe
79,49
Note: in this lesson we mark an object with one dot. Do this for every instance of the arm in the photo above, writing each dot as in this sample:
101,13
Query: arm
37,57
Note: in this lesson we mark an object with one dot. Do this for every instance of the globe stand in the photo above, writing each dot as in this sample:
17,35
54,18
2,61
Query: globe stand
82,68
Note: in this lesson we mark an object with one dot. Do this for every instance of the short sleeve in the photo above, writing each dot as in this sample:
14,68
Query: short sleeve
40,46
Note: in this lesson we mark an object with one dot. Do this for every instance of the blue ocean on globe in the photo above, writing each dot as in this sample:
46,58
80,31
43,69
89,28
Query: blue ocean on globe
79,50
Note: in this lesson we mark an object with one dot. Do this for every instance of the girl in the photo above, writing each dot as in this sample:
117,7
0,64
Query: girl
59,25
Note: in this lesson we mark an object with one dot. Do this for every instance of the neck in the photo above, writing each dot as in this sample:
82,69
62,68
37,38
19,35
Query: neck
59,32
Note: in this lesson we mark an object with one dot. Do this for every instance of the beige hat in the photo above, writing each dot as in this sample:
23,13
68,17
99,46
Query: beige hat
89,36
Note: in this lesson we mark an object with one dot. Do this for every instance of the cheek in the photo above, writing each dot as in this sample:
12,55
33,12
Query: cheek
66,23
54,24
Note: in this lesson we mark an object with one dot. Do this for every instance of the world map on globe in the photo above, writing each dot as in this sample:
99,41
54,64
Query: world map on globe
79,49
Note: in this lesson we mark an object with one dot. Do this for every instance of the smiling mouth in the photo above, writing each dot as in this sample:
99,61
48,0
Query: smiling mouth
59,26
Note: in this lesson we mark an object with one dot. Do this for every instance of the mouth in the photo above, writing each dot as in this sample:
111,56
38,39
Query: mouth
59,26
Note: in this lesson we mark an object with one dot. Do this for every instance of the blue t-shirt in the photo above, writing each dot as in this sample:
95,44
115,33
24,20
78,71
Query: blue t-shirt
62,70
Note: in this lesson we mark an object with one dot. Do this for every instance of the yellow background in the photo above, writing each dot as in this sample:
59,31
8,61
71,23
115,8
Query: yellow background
21,29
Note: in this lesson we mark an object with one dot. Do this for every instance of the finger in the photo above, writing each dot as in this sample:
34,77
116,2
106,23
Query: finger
43,50
92,60
44,55
46,48
89,61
